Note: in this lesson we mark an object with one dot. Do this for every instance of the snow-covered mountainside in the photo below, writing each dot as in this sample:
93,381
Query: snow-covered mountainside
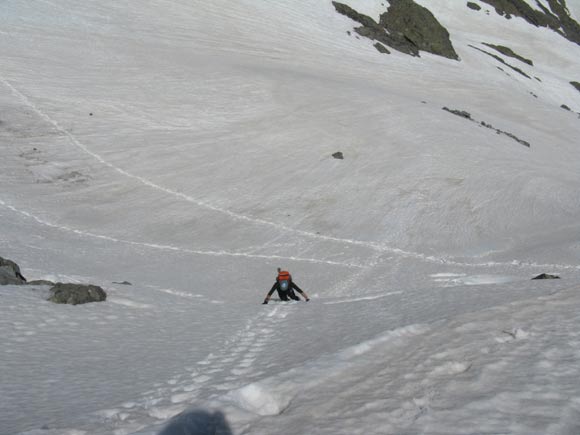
187,147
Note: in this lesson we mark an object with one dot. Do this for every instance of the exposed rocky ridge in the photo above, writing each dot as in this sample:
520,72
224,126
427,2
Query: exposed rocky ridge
516,69
506,51
406,27
467,115
557,19
576,85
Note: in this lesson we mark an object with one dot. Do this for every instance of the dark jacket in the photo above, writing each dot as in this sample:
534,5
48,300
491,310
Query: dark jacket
276,286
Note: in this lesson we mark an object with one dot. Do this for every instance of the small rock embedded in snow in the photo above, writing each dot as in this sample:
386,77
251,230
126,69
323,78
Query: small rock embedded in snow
514,334
338,155
546,276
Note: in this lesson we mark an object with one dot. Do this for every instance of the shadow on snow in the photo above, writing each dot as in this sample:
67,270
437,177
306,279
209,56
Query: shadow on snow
198,422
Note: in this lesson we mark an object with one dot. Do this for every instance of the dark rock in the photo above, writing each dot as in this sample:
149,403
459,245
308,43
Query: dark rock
473,6
546,276
506,51
10,273
75,294
338,155
576,85
569,27
461,113
346,10
520,8
556,18
372,30
406,27
381,48
416,25
563,106
514,137
467,115
123,283
40,282
519,71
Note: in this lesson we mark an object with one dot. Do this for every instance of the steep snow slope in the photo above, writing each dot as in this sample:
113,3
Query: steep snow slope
240,119
186,147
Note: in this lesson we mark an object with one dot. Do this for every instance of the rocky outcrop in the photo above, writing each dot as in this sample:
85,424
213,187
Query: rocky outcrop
338,155
473,6
461,113
60,293
499,59
10,273
467,115
569,27
373,30
75,294
506,51
417,25
556,18
519,8
381,48
576,85
406,27
546,276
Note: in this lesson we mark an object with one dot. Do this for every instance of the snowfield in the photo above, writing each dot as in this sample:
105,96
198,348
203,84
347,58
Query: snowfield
186,147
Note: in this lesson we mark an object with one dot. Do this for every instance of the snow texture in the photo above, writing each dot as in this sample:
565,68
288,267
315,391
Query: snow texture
186,147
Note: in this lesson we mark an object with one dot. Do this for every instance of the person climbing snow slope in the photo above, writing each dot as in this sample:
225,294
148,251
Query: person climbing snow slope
285,287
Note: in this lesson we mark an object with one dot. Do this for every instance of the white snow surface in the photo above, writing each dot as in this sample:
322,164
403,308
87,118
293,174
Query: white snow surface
186,146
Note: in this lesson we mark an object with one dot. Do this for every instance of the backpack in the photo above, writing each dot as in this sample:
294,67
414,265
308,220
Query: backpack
284,279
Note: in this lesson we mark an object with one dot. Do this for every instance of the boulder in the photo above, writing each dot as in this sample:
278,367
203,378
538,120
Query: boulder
75,294
10,273
338,155
506,51
546,276
473,6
